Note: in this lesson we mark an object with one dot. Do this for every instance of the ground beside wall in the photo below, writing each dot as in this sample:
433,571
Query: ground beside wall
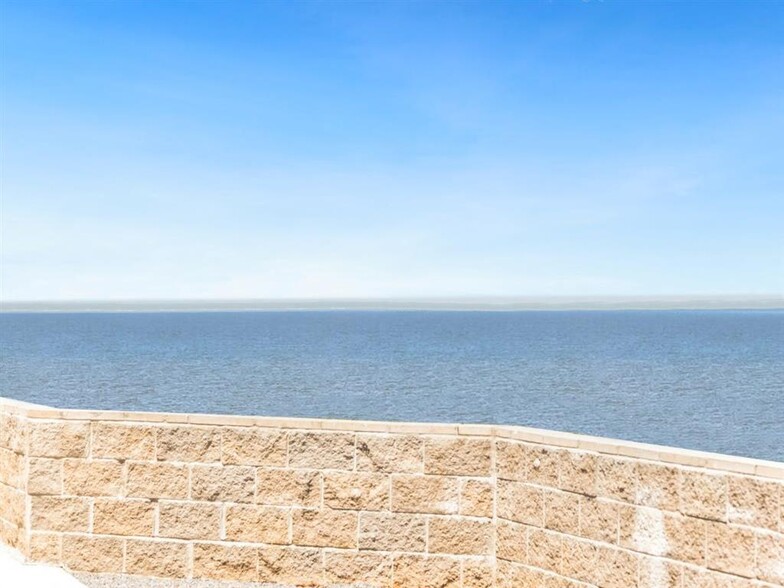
318,502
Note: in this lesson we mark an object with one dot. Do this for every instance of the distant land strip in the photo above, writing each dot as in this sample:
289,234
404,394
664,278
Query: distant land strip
479,303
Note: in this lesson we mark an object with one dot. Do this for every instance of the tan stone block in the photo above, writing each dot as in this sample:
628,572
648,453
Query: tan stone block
656,572
459,536
123,517
12,505
655,532
526,462
392,532
356,491
413,571
14,432
291,566
657,486
45,548
544,549
390,453
324,528
225,562
157,480
425,494
700,578
580,560
161,559
477,498
520,502
189,444
288,488
457,456
599,520
321,450
364,569
51,513
257,524
189,520
223,483
478,574
45,476
511,541
703,495
123,441
253,446
82,477
616,568
731,549
562,512
514,575
577,472
753,502
12,468
58,439
83,553
615,478
770,558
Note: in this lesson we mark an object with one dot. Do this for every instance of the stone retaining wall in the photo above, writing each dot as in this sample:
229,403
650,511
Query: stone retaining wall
319,502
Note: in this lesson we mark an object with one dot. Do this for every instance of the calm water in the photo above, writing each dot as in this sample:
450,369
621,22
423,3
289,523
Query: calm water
709,380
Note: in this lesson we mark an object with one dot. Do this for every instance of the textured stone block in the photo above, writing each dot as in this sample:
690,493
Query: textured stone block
770,558
12,468
425,494
577,472
660,533
477,498
321,450
616,478
511,541
599,520
82,477
390,453
363,491
703,495
731,549
189,444
162,559
157,480
392,532
223,483
291,566
413,571
544,549
562,512
753,502
52,513
656,572
45,476
123,441
189,520
616,568
45,548
14,432
364,569
288,488
123,517
478,573
253,446
579,560
527,463
83,553
520,502
459,536
457,456
58,439
225,562
257,524
657,486
324,528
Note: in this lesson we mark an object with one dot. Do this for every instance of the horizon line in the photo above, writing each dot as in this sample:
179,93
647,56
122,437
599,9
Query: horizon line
445,303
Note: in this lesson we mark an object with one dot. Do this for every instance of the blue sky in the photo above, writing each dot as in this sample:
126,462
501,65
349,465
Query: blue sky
254,150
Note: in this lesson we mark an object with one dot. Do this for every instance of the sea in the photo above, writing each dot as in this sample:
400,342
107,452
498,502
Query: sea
700,379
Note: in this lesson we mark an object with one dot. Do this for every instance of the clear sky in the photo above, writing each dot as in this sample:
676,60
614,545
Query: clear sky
260,149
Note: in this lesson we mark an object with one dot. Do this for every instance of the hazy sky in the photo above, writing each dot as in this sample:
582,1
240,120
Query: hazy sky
219,149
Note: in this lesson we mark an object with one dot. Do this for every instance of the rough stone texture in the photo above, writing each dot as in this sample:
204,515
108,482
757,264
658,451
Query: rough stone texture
753,502
511,542
123,441
223,483
189,520
56,439
50,513
616,478
457,456
703,495
251,446
324,528
520,502
390,454
356,491
321,450
157,480
369,569
257,524
92,554
165,559
599,520
83,477
124,517
459,536
425,494
413,571
288,488
189,444
45,476
291,565
731,549
225,562
656,486
477,498
392,532
577,472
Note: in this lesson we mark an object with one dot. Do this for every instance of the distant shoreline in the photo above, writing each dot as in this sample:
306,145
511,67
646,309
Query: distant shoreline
739,302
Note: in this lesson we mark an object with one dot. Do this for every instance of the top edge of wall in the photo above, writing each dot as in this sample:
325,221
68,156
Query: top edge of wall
603,445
